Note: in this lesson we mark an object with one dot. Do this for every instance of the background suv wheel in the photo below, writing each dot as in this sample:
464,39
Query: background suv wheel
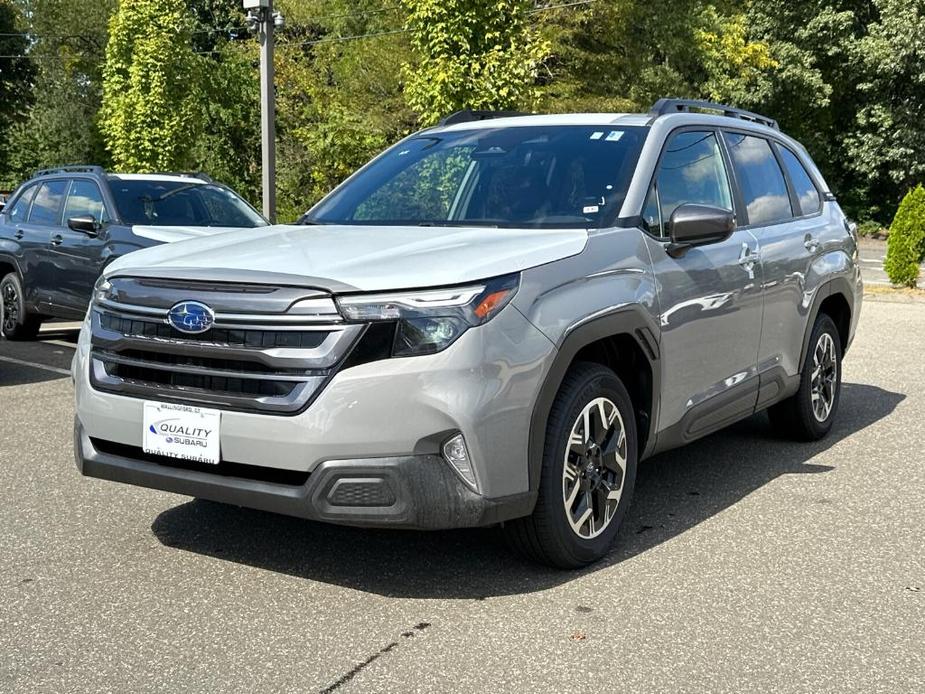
808,414
15,322
588,472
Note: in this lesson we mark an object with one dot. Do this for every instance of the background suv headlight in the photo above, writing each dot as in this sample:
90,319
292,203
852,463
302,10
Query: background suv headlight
101,290
431,320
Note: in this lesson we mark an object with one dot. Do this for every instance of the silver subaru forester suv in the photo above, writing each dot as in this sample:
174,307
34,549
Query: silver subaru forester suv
492,322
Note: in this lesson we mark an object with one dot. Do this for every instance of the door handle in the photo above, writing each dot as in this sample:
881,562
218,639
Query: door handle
57,240
747,257
811,244
19,234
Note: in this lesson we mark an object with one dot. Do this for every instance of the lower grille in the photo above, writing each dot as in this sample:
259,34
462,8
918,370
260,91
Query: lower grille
224,468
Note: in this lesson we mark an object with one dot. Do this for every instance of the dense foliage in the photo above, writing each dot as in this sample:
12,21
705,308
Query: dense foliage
906,247
846,77
470,54
149,97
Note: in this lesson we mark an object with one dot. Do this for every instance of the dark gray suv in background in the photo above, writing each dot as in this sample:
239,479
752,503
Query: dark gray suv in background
490,323
62,227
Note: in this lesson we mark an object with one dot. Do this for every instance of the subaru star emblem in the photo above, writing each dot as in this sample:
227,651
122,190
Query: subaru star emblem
191,317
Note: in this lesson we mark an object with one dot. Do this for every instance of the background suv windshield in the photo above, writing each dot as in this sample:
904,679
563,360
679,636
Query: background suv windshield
523,176
181,203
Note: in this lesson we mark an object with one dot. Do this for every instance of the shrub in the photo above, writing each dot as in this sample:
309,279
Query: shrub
906,246
869,228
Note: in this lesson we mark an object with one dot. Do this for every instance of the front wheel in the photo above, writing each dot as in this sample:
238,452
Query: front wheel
809,413
588,472
15,322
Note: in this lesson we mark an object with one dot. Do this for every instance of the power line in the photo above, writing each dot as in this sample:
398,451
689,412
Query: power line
355,37
565,4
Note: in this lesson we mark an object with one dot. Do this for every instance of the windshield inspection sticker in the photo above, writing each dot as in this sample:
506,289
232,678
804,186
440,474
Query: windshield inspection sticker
614,135
590,209
597,135
182,432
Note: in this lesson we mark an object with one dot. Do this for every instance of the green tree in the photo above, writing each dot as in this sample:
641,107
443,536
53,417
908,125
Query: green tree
906,244
885,147
16,74
58,125
339,99
150,86
480,54
624,55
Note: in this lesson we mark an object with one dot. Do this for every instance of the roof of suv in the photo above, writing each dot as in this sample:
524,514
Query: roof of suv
687,110
194,178
627,119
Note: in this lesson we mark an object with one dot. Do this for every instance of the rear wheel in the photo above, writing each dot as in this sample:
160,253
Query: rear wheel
809,413
588,472
15,322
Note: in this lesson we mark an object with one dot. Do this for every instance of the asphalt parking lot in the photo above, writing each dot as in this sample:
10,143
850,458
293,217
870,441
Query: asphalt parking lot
747,563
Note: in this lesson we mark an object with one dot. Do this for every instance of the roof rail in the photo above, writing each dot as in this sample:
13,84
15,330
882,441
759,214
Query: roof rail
665,106
75,168
468,116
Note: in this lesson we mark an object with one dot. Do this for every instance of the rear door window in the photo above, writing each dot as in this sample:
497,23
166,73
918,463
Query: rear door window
46,208
803,186
764,189
19,211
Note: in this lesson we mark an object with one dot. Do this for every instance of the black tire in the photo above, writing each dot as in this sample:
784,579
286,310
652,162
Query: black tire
797,417
547,536
16,323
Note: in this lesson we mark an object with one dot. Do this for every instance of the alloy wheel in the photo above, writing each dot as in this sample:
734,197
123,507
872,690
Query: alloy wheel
824,377
595,467
10,299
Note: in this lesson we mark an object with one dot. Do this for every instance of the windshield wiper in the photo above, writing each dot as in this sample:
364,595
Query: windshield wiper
462,223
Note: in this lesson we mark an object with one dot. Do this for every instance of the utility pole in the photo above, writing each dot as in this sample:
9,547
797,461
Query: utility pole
262,20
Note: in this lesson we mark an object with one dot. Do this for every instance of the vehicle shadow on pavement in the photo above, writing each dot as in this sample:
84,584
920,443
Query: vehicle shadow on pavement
20,375
21,363
675,491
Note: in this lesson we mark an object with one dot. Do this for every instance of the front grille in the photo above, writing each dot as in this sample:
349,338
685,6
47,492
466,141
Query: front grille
262,356
225,385
135,327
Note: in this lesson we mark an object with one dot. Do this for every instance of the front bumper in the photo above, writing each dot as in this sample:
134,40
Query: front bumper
412,491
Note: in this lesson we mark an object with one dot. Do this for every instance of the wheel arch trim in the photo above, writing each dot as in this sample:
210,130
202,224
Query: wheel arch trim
632,321
837,286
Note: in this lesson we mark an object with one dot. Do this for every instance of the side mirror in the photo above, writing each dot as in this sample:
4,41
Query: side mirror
697,225
88,225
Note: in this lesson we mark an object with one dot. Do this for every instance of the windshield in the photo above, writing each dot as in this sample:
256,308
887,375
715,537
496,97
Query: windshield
181,203
522,176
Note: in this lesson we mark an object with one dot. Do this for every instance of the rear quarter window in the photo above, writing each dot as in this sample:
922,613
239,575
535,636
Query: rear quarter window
803,186
19,210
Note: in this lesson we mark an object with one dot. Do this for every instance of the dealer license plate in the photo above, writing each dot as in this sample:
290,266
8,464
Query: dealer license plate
182,431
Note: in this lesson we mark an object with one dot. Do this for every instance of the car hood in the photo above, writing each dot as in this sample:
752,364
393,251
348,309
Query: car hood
165,234
354,258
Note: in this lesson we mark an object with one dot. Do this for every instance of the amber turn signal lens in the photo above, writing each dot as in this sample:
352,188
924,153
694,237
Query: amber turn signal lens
490,303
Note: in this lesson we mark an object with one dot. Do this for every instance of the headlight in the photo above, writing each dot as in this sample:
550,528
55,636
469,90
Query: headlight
101,289
431,320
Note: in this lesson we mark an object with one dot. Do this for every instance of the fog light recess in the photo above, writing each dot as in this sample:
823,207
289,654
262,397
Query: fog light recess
456,454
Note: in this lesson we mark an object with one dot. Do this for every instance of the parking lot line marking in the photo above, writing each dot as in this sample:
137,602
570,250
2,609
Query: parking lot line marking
32,364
